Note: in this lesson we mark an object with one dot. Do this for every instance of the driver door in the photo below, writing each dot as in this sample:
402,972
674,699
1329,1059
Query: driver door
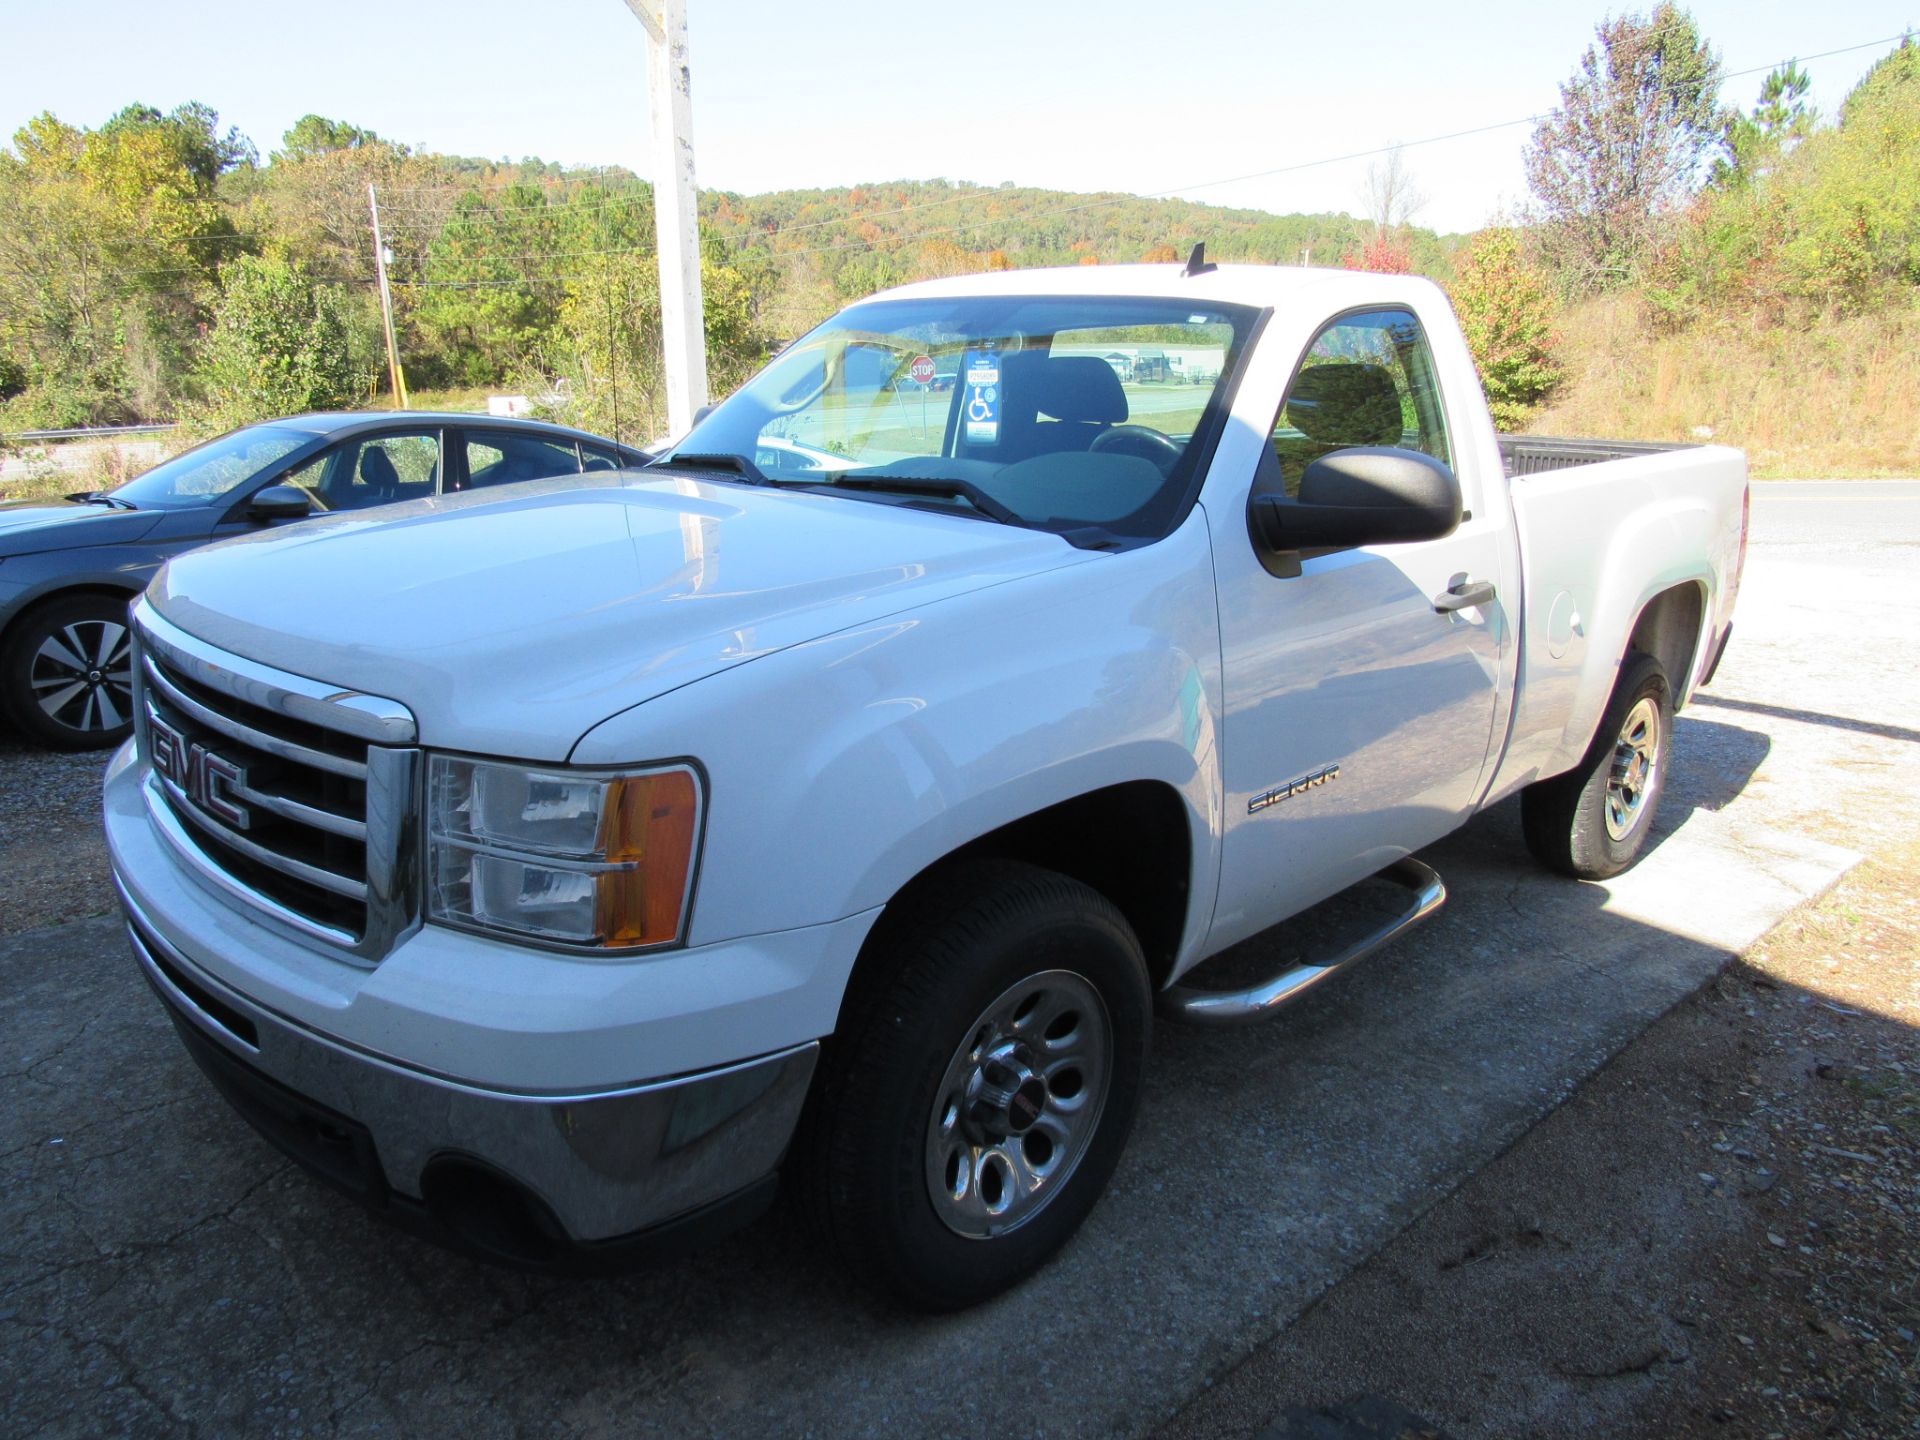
1358,717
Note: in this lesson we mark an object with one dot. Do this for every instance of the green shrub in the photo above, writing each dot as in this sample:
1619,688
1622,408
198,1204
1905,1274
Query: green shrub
1507,311
278,346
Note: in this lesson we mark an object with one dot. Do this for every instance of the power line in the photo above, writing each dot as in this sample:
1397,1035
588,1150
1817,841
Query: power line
892,242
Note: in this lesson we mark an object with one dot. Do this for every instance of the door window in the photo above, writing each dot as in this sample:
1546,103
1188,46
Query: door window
1367,379
592,457
495,457
312,478
382,470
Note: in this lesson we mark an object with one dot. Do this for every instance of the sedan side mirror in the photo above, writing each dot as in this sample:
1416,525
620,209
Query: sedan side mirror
280,502
1369,495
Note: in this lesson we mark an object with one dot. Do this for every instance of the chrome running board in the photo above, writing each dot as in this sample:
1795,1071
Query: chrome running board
1241,1007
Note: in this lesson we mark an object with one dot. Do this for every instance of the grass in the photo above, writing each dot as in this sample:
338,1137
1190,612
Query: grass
1837,398
469,399
33,473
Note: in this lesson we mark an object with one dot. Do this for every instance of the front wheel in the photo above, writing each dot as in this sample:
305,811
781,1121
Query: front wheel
1593,822
978,1097
66,673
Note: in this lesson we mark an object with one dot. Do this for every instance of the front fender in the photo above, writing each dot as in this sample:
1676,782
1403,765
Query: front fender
26,580
841,768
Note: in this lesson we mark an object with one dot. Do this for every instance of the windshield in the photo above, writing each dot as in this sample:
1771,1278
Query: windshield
1065,412
208,472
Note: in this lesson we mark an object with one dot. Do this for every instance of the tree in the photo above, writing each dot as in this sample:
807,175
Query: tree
109,243
278,346
1635,128
1507,313
1392,197
1780,120
316,135
606,356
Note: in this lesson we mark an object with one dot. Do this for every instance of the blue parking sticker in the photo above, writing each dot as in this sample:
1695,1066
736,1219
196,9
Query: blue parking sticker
983,397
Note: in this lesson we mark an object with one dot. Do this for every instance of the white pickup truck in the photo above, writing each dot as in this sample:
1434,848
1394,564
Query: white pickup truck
554,866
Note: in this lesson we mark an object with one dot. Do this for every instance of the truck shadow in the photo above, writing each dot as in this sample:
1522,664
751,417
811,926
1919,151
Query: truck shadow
1265,1164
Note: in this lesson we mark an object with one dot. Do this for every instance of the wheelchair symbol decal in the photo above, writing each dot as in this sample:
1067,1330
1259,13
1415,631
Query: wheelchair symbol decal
983,397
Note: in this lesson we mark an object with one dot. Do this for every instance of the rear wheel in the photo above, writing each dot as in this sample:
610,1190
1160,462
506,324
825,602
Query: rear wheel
1593,822
977,1099
66,673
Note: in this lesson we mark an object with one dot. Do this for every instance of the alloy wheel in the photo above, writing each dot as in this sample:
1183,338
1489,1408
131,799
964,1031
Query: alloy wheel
81,677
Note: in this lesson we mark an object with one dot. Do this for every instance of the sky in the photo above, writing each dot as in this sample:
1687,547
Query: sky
1149,98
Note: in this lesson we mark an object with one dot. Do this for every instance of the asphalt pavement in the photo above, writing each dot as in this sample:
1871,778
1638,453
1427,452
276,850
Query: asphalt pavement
164,1272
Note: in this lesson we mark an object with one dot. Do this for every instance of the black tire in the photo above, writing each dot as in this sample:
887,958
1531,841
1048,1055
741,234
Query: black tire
865,1159
1593,822
66,673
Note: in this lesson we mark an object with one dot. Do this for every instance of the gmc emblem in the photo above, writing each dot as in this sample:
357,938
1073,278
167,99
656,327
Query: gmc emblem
206,779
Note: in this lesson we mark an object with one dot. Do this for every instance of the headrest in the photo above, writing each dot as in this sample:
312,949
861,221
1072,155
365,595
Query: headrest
376,469
1349,403
1066,387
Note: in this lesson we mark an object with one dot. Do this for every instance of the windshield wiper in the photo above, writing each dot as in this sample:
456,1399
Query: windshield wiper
100,497
939,487
738,465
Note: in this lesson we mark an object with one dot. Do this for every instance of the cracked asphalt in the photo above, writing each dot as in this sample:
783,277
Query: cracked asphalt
163,1272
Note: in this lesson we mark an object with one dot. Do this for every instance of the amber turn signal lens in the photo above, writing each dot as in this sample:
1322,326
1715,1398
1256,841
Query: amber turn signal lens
652,824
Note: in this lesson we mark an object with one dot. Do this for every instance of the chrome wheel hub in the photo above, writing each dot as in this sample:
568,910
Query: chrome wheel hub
1018,1104
82,676
1636,761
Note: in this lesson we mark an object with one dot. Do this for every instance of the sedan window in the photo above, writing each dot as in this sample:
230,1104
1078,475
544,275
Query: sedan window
381,470
495,457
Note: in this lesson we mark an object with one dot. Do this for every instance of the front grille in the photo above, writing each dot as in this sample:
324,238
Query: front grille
305,818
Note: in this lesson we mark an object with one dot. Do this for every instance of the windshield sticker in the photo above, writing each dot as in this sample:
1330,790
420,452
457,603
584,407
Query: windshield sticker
983,397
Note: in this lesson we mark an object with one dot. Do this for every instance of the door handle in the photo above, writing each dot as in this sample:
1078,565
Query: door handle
1464,596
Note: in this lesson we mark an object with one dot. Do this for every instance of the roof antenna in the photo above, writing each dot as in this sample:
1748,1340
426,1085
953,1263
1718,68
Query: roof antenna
1197,262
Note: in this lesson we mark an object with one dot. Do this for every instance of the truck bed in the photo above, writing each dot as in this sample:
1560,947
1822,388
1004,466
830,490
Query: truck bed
1524,455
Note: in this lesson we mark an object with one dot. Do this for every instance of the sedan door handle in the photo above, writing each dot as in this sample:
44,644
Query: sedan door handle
1464,596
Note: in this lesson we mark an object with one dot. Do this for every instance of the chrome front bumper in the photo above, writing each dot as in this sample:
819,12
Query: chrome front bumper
604,1165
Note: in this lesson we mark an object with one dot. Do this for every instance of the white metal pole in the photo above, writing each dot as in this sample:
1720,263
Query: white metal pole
676,212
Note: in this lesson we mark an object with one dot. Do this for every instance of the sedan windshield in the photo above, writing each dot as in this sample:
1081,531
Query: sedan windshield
209,472
1058,413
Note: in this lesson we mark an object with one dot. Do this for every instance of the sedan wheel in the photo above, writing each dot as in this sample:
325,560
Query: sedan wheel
68,674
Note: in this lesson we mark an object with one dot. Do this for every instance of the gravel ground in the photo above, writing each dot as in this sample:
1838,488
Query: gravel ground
53,863
169,1276
1716,1237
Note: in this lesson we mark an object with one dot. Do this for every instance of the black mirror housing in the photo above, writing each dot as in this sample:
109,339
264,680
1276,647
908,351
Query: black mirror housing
280,502
1369,495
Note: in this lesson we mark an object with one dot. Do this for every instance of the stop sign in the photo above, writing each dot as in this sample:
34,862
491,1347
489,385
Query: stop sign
922,369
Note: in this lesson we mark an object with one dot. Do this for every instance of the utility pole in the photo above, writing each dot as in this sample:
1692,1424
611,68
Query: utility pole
398,381
676,214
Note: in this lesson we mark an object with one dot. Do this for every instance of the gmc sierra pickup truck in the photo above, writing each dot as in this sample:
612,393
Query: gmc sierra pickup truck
838,797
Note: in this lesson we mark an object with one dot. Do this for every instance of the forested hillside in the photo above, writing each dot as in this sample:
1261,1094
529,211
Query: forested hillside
1683,267
122,245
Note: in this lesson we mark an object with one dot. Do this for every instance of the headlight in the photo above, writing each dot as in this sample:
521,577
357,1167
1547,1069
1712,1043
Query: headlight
591,859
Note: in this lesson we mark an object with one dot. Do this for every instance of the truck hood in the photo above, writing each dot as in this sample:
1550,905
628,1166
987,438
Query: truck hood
31,527
512,621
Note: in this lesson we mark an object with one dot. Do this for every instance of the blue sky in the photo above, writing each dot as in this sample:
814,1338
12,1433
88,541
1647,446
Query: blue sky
1107,94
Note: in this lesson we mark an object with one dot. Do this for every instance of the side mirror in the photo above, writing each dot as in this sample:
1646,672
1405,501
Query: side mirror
701,413
1370,495
280,502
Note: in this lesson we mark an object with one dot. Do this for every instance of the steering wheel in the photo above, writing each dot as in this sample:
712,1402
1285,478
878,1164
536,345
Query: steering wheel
1141,441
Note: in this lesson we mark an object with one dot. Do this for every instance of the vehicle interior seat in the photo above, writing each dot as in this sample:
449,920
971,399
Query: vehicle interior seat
1056,403
1335,407
379,480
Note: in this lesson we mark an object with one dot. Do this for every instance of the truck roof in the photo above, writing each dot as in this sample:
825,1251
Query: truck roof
1259,285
